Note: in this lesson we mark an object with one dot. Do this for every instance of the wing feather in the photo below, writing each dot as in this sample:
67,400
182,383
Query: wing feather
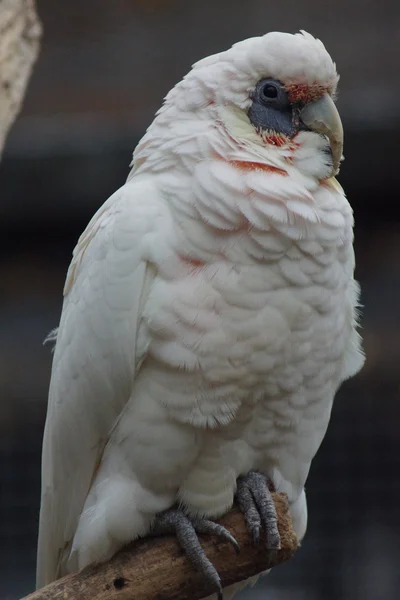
95,360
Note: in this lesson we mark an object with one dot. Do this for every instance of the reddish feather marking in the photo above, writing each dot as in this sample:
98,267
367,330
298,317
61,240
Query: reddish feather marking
256,166
274,139
305,93
194,263
245,226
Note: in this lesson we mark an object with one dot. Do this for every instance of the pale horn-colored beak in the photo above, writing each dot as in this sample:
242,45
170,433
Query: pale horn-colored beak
322,117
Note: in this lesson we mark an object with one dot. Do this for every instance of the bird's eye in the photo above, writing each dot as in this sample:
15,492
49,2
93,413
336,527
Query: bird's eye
271,108
269,91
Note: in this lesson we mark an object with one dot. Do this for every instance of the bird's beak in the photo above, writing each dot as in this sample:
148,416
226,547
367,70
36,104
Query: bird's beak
322,117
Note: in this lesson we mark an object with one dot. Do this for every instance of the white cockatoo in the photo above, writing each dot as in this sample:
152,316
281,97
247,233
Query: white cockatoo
210,315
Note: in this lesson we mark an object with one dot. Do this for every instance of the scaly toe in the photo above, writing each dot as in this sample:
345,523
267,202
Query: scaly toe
248,507
255,501
175,521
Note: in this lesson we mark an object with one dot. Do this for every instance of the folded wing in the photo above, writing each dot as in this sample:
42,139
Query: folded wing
95,360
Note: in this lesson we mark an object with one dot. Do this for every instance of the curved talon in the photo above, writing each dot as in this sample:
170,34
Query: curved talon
211,528
175,521
255,501
189,542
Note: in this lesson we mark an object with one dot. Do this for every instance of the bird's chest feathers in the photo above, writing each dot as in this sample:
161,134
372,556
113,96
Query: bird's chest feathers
235,312
232,327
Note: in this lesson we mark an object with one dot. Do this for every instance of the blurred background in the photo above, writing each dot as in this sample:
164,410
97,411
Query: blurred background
103,70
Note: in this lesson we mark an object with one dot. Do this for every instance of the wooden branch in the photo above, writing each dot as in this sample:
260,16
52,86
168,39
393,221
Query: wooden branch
20,32
156,569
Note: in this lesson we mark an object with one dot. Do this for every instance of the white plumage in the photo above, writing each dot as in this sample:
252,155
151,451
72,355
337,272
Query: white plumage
209,316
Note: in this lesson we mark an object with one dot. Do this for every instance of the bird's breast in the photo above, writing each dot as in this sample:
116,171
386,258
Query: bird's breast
234,332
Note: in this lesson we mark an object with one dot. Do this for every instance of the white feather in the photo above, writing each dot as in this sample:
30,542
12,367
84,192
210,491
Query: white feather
94,361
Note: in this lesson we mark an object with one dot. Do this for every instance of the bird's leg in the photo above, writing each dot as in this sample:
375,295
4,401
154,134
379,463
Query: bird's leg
186,529
255,501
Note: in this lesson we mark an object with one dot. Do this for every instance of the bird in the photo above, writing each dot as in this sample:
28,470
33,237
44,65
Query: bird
210,315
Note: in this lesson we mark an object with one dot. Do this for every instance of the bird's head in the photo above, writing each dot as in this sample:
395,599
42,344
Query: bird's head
272,99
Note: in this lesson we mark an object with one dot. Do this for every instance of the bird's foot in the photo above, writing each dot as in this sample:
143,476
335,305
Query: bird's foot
255,501
186,529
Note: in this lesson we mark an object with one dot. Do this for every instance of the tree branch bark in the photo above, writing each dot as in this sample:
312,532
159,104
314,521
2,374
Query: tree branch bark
156,569
20,32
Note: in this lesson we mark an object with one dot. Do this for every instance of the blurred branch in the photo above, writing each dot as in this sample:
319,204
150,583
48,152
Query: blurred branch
156,567
20,32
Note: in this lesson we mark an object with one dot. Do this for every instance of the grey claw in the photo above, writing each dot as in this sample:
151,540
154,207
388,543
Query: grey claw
256,536
211,528
255,501
175,521
247,506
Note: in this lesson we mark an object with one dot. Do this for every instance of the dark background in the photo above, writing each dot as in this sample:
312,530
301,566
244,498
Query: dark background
102,73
